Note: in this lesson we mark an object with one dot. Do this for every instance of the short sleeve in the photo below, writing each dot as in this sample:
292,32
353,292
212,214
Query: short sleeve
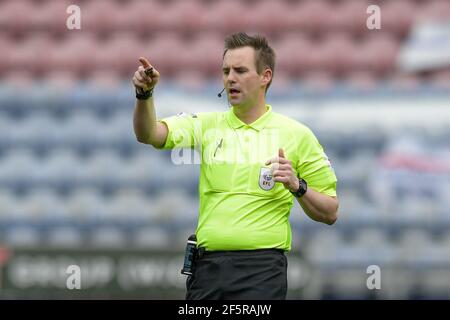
184,130
314,166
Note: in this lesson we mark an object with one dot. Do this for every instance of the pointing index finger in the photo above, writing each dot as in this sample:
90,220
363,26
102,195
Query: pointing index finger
148,69
145,62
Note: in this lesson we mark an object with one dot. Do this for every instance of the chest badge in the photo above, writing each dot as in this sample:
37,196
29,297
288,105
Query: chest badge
265,179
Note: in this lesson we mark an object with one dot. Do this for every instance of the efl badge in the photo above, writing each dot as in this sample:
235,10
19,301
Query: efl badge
265,179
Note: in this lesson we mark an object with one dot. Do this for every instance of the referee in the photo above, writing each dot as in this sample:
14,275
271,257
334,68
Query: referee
254,163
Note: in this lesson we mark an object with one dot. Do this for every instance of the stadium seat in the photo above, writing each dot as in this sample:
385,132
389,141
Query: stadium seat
75,53
19,79
18,168
44,205
413,244
131,206
338,52
151,238
294,54
87,206
317,81
101,169
64,237
441,79
105,79
101,17
14,16
165,52
436,10
349,16
81,128
8,201
108,237
51,17
8,48
398,16
205,55
226,17
272,17
322,247
377,53
404,82
124,50
61,169
137,14
312,15
184,16
364,81
61,80
167,210
23,237
35,53
141,168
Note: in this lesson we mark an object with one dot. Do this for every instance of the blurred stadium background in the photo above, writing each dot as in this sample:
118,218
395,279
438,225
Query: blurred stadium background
76,187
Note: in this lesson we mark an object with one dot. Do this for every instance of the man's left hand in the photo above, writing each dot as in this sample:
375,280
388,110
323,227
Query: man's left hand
283,172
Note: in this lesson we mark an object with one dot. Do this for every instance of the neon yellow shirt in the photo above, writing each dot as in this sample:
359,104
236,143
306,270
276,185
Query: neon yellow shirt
241,207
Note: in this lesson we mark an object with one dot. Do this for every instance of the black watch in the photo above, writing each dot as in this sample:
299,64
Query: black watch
302,187
144,95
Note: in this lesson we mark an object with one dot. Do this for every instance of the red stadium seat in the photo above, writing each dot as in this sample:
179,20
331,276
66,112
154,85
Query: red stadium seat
294,53
339,51
271,17
192,79
105,79
435,10
22,79
361,80
281,82
101,16
15,16
398,16
51,16
227,16
317,81
312,15
167,52
350,16
184,16
61,80
377,53
6,53
124,50
75,53
204,53
142,18
32,53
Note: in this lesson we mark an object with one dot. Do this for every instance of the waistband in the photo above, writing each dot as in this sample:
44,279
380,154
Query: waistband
203,253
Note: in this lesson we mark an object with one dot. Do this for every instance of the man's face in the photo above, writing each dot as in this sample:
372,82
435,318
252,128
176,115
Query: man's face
240,77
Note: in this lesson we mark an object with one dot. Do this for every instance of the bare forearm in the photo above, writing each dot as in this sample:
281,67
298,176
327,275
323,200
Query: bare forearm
146,127
144,120
319,207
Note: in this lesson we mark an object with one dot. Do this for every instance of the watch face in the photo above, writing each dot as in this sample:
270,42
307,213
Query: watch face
303,184
302,189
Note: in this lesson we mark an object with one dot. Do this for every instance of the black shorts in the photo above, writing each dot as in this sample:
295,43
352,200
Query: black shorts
236,275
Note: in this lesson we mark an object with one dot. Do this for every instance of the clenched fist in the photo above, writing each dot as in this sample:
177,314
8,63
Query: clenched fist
146,77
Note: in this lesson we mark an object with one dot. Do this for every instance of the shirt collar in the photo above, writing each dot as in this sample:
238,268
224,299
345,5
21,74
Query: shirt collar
258,124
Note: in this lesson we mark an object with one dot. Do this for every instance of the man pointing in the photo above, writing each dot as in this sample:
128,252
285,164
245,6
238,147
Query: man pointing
254,163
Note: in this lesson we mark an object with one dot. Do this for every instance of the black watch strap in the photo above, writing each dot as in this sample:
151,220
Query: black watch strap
302,188
144,95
